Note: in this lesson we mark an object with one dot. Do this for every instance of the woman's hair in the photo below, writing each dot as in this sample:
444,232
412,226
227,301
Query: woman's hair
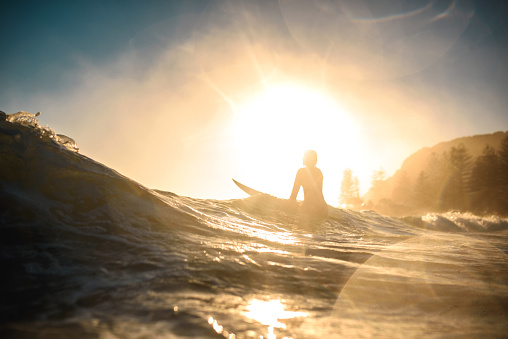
310,158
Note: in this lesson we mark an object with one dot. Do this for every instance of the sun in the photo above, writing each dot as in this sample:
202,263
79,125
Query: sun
273,128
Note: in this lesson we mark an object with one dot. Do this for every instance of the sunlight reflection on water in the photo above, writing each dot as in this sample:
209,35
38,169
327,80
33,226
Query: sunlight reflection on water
220,329
269,312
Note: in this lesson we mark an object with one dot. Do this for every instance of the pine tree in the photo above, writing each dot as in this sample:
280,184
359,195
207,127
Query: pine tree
422,194
503,176
350,190
378,184
357,201
402,192
485,182
458,167
437,171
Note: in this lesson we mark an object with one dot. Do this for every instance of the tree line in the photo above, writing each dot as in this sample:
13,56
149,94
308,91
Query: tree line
452,180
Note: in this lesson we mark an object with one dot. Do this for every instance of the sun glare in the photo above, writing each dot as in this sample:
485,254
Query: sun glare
274,128
269,313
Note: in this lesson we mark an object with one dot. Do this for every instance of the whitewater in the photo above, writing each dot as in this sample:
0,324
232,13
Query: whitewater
89,253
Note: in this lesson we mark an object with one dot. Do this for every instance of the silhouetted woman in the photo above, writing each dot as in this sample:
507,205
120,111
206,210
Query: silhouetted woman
311,179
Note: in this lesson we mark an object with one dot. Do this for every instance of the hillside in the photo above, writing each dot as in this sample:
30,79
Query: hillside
419,160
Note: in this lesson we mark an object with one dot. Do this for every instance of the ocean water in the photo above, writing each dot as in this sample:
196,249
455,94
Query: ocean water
89,253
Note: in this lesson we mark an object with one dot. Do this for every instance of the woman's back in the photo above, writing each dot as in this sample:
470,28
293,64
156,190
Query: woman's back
311,179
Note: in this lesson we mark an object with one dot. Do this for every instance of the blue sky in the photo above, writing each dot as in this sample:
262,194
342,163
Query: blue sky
43,39
110,74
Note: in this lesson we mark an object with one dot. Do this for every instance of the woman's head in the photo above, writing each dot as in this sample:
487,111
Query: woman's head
310,158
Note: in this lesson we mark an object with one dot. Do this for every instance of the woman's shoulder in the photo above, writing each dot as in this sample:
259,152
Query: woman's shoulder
313,171
316,173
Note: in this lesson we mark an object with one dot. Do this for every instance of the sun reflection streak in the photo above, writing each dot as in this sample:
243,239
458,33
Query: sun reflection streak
220,329
269,312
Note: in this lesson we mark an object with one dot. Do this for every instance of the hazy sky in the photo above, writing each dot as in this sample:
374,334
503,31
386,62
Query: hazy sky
185,95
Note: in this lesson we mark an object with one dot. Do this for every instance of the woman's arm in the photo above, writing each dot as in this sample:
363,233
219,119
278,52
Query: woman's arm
296,186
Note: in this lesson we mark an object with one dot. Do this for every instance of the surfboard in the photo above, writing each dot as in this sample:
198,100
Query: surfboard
247,189
286,205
